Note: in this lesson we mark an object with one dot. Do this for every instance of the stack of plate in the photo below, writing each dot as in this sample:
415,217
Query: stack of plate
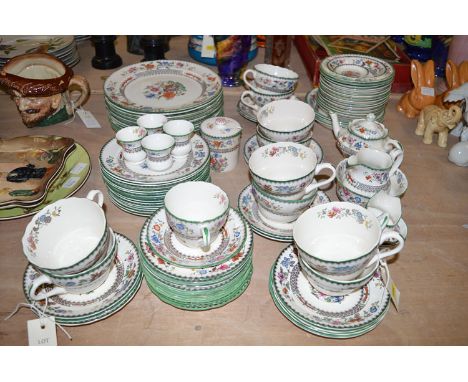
117,291
39,170
189,278
62,47
138,190
177,89
195,50
353,86
327,316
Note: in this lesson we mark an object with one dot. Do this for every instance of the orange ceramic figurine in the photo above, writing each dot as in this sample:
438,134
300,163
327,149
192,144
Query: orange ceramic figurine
456,77
423,94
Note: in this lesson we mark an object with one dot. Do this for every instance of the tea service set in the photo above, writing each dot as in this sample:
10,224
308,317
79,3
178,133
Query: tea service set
268,83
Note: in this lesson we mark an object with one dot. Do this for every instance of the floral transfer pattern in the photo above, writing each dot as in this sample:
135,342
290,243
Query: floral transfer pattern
42,221
218,161
339,213
279,151
164,89
375,68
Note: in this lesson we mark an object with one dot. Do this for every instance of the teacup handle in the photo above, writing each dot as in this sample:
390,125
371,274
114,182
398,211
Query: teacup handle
206,236
319,168
392,144
386,236
246,80
397,157
100,197
44,279
250,94
82,84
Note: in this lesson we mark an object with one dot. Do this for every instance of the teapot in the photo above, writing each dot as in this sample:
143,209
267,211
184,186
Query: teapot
363,133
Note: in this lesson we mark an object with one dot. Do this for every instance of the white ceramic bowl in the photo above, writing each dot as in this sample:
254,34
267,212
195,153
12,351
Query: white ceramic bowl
182,131
130,139
153,123
158,149
286,120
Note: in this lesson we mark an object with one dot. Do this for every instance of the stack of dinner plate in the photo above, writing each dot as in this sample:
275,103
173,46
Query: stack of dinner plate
177,89
62,47
193,279
353,86
140,191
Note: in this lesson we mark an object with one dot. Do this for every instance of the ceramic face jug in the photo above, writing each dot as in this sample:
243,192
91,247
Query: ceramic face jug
40,85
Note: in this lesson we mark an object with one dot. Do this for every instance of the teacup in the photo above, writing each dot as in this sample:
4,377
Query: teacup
287,169
130,139
153,123
281,210
223,136
384,204
182,131
259,98
196,212
370,170
335,287
158,151
341,239
76,283
272,78
286,120
262,140
344,191
40,85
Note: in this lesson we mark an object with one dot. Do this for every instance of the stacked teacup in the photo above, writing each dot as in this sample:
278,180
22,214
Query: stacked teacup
268,83
71,246
283,181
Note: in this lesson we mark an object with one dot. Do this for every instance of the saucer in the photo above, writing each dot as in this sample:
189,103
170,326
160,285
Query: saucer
246,111
247,205
79,309
251,145
165,244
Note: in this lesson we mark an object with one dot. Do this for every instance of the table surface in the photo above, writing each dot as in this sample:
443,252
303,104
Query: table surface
431,272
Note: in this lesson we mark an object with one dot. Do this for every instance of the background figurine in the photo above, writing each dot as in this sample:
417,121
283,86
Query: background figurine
423,94
455,76
434,119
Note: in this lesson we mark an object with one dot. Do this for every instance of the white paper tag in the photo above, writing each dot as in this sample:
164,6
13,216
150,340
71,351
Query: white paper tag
394,292
88,119
78,168
71,182
42,334
208,48
427,91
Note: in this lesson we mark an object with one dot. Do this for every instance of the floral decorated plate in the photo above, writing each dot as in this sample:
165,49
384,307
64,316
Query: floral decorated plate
164,243
111,160
162,85
252,144
11,46
193,274
347,312
247,205
122,278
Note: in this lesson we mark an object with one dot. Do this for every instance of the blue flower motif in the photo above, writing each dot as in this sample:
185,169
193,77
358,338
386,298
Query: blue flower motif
180,226
373,309
155,238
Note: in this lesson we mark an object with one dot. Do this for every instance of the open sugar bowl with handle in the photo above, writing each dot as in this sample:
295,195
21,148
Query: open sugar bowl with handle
40,85
370,170
341,239
361,134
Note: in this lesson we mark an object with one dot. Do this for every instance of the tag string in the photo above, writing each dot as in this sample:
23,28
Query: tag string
41,314
384,264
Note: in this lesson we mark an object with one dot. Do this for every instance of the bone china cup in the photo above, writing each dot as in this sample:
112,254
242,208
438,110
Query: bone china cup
77,283
67,236
286,120
196,212
158,151
262,140
272,78
153,123
287,169
182,131
130,139
261,97
340,239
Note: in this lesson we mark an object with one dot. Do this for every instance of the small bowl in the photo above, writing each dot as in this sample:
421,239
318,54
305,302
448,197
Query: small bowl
153,123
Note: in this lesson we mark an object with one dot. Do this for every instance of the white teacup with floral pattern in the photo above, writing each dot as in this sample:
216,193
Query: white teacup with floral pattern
340,239
152,123
77,283
130,139
260,97
158,149
196,212
287,169
182,131
272,78
67,236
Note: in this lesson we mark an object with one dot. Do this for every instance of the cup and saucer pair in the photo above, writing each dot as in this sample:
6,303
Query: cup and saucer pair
248,207
247,110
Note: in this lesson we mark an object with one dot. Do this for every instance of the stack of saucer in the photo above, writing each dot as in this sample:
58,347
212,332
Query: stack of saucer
177,89
190,277
62,47
138,190
81,283
195,50
353,86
